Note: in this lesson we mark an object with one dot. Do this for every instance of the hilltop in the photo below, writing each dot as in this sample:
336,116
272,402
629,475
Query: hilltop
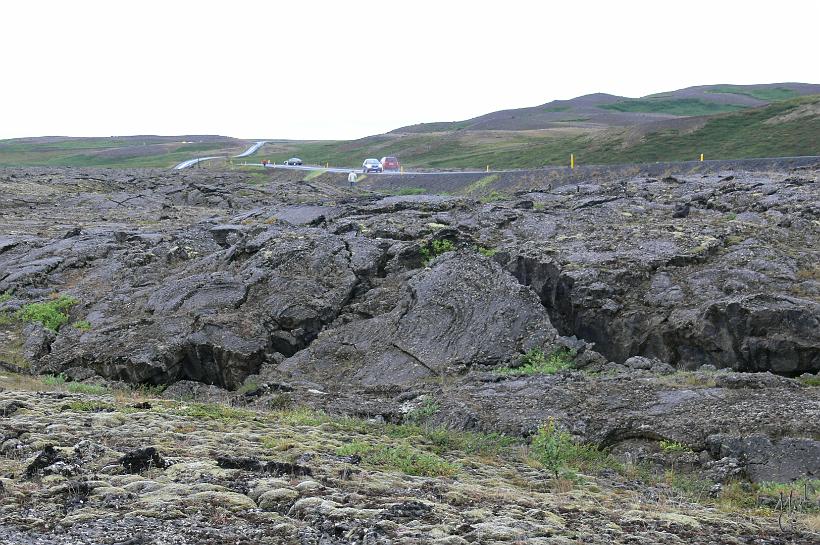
605,110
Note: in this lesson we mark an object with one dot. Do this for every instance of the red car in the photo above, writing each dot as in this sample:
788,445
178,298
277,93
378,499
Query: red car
390,163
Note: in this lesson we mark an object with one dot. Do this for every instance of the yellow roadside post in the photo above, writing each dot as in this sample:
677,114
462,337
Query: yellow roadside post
327,164
401,170
701,157
488,168
571,160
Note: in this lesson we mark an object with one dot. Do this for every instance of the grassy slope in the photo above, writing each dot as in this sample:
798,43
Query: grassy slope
746,133
108,152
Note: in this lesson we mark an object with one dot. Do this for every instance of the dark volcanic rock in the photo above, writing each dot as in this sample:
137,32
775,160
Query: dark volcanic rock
142,459
463,312
208,282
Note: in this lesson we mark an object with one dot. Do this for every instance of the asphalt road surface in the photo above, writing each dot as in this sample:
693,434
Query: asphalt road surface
250,151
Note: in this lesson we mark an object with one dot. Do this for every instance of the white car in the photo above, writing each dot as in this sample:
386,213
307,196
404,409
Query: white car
371,165
294,162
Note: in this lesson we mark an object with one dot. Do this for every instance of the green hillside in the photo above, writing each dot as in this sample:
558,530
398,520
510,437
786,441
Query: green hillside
786,128
128,151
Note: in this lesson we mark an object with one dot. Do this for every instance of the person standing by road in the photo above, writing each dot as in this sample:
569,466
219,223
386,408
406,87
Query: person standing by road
351,179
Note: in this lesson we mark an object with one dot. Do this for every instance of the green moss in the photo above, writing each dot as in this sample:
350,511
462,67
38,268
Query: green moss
51,314
486,252
5,297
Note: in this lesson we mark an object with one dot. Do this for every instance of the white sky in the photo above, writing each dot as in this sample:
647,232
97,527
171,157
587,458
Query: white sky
346,69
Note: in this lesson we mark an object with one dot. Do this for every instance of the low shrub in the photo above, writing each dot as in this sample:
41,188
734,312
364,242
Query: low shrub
435,249
51,314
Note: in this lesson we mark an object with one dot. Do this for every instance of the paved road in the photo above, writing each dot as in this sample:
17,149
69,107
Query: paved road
192,162
250,151
253,149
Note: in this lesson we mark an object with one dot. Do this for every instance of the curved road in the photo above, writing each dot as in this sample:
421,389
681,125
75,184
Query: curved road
250,151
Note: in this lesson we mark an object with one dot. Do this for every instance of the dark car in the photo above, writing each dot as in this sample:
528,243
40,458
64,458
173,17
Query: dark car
294,162
371,165
390,163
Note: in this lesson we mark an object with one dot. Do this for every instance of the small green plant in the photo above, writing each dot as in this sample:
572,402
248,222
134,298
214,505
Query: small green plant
492,196
435,249
670,447
53,380
553,448
731,216
247,387
5,297
82,325
401,457
810,381
486,252
428,408
535,362
81,388
51,314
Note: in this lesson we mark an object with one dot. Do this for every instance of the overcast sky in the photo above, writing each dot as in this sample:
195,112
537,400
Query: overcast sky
333,69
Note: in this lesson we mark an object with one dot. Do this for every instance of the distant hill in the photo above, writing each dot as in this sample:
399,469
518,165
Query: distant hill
602,110
722,121
113,151
782,128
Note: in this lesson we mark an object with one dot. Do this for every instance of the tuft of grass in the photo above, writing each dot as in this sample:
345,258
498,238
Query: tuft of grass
214,411
427,409
82,325
492,196
810,381
535,362
486,252
89,406
247,387
405,191
673,446
53,380
481,183
402,457
5,297
81,388
51,314
435,249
